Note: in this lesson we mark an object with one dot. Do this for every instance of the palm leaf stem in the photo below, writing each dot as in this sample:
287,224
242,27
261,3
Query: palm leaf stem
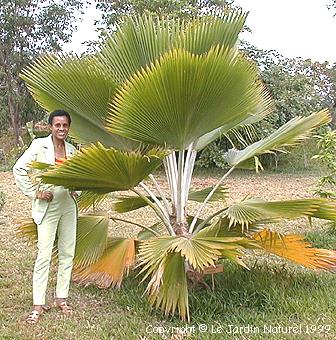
161,193
169,179
194,221
179,203
137,224
187,172
155,199
157,211
172,165
207,220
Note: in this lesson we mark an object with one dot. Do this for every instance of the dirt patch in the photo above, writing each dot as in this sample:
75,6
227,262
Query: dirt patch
268,187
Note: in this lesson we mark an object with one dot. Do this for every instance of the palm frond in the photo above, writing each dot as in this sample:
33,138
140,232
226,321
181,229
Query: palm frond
294,248
222,228
116,261
252,210
219,195
88,199
146,234
287,135
138,43
102,170
168,287
80,87
122,204
263,109
178,99
27,229
91,239
203,33
143,39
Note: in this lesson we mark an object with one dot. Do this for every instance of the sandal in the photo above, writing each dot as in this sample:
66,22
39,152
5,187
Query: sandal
46,308
64,307
33,317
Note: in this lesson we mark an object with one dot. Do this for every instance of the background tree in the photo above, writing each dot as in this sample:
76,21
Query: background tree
115,12
297,86
332,6
28,28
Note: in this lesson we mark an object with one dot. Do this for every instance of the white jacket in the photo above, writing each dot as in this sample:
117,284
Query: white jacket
41,150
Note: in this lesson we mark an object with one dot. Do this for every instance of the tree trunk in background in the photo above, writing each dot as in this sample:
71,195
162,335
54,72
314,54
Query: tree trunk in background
13,109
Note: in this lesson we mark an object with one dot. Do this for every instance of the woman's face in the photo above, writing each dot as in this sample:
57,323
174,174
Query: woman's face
59,128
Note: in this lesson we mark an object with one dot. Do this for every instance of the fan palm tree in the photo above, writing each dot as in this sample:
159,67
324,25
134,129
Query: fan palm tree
157,93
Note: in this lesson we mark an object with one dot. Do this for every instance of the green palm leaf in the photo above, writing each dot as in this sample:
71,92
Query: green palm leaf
168,287
91,239
123,204
80,87
289,134
136,44
249,211
141,40
146,234
182,97
220,194
102,170
222,228
262,110
203,33
88,199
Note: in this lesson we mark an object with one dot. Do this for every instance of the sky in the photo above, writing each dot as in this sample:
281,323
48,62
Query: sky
295,28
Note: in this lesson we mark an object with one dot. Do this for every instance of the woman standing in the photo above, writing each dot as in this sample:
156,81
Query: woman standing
54,211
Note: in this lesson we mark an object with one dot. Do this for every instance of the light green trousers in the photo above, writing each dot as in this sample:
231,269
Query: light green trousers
60,219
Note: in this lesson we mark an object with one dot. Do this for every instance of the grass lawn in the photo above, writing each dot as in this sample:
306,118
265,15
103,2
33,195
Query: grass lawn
273,298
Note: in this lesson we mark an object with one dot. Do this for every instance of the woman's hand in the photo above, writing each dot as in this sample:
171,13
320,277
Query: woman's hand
73,194
45,195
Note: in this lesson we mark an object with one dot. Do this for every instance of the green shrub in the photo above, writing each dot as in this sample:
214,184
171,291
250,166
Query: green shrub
327,156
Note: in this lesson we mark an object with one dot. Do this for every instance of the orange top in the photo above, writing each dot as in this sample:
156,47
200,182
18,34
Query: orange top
59,161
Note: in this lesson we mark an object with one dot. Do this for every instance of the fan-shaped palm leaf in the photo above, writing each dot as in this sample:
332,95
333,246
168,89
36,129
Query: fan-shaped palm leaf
141,40
136,44
80,87
146,234
104,170
220,194
91,239
27,228
289,134
294,248
88,199
263,109
122,204
203,33
168,287
250,211
222,228
117,259
182,97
